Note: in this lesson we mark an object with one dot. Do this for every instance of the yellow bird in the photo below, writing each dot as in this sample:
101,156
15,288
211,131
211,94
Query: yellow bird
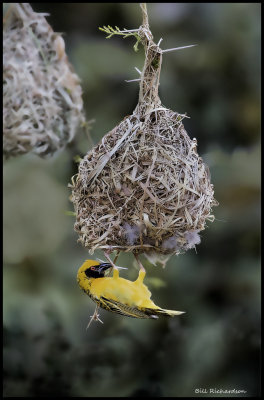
116,294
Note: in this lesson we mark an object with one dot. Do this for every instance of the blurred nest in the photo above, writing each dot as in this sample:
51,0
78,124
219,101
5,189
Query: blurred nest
41,94
144,188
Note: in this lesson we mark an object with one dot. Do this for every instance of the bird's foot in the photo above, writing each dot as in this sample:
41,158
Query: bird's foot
142,271
94,317
139,263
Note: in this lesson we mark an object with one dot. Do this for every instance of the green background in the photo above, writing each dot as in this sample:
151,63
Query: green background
216,344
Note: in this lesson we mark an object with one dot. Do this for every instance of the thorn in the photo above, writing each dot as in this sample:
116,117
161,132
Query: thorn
160,41
138,70
133,80
129,30
101,261
178,48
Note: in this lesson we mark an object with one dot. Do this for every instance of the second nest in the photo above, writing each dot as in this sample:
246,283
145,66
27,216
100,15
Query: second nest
143,188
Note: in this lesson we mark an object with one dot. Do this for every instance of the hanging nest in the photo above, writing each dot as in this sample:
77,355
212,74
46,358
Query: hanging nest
42,96
144,188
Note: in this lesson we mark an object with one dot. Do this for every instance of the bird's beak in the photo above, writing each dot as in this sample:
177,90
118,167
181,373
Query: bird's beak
104,267
109,265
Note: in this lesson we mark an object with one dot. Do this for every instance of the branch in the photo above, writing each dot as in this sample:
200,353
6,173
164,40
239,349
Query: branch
125,33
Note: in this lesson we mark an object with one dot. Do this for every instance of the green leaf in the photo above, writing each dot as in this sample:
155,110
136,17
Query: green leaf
70,213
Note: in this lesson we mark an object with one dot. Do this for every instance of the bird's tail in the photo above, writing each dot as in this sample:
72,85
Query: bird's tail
160,311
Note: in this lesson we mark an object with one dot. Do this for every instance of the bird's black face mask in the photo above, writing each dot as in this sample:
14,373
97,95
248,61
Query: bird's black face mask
97,271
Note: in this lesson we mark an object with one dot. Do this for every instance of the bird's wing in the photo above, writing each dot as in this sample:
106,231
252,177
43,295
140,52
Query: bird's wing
124,309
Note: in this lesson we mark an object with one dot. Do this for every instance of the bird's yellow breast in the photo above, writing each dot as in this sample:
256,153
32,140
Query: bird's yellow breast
134,294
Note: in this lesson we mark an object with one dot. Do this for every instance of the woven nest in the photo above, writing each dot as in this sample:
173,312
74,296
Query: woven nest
42,98
144,188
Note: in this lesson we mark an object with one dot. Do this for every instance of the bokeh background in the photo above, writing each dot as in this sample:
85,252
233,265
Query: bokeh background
216,344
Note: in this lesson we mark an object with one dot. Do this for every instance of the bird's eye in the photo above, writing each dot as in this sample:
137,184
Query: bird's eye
93,268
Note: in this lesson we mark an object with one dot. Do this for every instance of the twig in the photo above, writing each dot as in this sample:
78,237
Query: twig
145,14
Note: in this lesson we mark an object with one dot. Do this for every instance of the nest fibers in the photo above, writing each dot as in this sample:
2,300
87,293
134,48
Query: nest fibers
42,97
144,188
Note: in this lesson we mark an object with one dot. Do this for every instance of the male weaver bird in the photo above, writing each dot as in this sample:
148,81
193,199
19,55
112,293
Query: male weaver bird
116,294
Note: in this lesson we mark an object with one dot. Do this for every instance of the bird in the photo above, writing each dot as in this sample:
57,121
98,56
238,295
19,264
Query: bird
116,294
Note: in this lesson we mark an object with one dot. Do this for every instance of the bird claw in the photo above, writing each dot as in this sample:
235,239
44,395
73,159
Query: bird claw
141,268
94,317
